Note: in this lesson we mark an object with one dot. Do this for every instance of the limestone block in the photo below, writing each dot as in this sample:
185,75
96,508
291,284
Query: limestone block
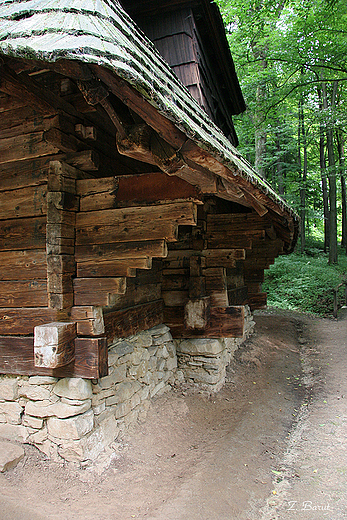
63,410
42,380
34,392
10,455
158,330
144,393
171,348
143,339
135,400
171,363
39,437
139,371
117,376
148,378
103,436
8,389
201,376
74,402
125,390
40,408
32,422
160,386
205,347
159,340
112,358
152,363
123,348
99,409
136,357
12,412
101,396
122,409
2,418
71,428
14,432
73,388
160,364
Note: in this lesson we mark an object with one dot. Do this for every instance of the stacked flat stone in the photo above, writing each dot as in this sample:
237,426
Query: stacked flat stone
75,419
204,361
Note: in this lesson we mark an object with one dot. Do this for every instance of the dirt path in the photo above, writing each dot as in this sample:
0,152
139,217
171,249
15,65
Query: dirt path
271,445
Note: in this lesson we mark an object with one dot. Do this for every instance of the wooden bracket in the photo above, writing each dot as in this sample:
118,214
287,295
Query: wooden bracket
54,344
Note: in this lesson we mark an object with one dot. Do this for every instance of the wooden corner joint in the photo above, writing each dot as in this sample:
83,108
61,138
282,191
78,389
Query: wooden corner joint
54,344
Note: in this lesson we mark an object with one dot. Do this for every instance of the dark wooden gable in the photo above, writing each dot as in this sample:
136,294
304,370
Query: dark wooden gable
190,37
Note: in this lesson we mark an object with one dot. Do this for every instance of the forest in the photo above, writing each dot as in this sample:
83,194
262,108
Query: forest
291,60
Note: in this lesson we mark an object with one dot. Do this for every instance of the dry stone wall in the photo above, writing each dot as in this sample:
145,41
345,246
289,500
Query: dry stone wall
75,419
204,361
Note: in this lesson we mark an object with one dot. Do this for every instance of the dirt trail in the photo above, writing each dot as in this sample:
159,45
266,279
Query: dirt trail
271,445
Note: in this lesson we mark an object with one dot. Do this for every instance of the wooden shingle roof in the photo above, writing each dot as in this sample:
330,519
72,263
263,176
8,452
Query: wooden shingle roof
100,32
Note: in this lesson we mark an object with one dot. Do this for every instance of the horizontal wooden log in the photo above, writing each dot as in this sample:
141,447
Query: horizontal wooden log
20,174
238,296
257,301
175,298
85,160
62,141
54,344
138,292
23,265
213,257
23,293
182,213
112,268
89,320
133,190
140,249
17,321
24,120
17,357
97,291
27,146
123,232
20,234
223,323
131,321
25,202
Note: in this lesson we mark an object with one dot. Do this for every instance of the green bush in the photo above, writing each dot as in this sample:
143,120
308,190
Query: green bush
305,282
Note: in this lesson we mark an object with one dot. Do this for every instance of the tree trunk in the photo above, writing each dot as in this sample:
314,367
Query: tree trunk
340,147
325,192
332,178
303,175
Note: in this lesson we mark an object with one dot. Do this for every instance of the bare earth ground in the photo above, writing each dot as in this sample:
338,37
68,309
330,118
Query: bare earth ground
270,445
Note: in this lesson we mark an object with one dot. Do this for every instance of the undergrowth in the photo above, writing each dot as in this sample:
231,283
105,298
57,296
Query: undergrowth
305,282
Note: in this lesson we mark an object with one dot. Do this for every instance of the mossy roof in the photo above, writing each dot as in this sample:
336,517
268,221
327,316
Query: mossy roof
101,32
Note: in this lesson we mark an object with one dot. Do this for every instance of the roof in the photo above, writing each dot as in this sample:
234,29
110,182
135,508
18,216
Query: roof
211,29
101,32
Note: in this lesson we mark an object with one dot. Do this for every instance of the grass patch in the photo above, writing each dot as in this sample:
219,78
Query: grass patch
305,282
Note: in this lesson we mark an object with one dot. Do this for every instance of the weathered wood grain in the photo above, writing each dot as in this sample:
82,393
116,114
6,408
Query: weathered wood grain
17,357
23,293
97,291
109,251
23,265
128,322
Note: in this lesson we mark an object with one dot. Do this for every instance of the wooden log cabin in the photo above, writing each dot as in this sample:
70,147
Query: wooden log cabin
123,204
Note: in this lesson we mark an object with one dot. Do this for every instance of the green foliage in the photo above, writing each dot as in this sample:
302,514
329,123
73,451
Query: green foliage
305,282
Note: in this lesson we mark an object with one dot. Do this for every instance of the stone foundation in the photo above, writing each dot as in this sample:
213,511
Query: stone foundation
204,361
75,419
